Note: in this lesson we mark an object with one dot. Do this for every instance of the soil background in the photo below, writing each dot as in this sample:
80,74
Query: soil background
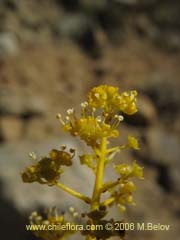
52,52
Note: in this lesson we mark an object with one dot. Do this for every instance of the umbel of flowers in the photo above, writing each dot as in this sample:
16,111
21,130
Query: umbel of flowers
99,121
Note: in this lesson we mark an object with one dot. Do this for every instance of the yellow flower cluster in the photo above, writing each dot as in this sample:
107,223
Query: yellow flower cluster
124,195
94,124
90,129
54,220
48,169
108,98
87,159
125,189
97,123
126,170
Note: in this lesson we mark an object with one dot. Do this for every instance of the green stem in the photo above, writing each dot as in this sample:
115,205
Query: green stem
108,201
99,174
110,185
73,192
101,156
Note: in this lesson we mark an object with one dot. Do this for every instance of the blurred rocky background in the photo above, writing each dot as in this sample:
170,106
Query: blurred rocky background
51,53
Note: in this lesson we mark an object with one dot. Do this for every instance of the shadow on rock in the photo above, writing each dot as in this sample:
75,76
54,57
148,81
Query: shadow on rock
11,221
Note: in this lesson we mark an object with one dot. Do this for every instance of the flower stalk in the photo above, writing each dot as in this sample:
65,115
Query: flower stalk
99,174
73,192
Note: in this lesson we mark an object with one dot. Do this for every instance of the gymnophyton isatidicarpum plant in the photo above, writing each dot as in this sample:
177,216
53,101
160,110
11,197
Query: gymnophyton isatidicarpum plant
97,124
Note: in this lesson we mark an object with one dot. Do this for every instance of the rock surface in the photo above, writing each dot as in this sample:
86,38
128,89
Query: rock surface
51,54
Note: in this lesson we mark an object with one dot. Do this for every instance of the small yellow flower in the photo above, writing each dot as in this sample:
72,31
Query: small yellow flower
87,159
124,194
108,98
130,199
137,170
104,97
127,102
133,143
123,169
126,170
128,187
90,129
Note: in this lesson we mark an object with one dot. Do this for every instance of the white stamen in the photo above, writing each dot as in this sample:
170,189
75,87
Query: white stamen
84,104
32,155
96,95
126,94
71,209
98,119
63,147
58,116
122,185
119,117
70,111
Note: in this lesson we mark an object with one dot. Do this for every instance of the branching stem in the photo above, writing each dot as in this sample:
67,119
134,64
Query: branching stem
74,193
